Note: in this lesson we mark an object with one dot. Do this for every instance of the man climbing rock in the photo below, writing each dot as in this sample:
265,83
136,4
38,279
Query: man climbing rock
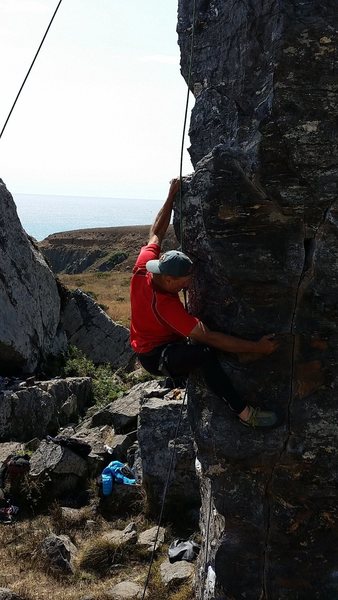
161,326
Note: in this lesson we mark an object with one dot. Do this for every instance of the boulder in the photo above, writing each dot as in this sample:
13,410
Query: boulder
63,470
73,395
55,458
124,500
39,409
126,590
59,553
120,445
122,414
6,594
122,537
72,516
177,573
90,329
147,538
260,221
105,444
158,422
29,300
8,448
99,438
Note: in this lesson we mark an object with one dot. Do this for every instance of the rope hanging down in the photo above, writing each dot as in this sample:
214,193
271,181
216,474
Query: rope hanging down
181,241
30,68
165,494
185,118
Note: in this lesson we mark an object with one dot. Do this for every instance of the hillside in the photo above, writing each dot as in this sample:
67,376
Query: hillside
99,262
98,250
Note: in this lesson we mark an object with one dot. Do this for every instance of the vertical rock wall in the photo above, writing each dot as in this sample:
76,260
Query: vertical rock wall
29,299
260,220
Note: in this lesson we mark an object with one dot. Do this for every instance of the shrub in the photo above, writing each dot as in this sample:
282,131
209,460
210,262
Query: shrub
114,259
98,556
107,385
77,364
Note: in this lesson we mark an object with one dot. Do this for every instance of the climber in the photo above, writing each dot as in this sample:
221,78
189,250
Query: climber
160,325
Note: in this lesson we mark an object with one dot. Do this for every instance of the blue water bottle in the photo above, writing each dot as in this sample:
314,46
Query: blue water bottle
107,484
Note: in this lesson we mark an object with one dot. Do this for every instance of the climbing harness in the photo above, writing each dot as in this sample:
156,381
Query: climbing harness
30,68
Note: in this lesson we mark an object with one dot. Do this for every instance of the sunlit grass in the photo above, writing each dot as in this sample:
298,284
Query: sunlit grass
110,290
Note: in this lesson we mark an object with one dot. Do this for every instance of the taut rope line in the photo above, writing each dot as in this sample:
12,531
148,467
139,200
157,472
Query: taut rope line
185,118
165,494
181,242
30,68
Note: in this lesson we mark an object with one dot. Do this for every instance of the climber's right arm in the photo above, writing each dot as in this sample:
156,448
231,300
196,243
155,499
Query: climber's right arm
228,343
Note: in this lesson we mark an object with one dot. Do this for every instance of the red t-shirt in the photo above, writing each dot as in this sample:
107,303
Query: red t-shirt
157,317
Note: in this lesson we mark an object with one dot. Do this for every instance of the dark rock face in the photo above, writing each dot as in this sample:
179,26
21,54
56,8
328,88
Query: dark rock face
260,221
157,425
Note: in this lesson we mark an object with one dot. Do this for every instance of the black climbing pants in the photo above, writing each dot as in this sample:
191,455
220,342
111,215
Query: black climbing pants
180,358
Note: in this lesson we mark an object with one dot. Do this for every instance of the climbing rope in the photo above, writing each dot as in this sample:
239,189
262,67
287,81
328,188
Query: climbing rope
165,493
185,118
206,543
181,242
30,68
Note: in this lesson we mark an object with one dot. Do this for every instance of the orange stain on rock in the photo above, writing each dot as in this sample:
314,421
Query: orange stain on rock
309,378
319,344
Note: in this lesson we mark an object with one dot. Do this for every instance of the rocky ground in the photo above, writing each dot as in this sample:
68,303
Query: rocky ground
69,541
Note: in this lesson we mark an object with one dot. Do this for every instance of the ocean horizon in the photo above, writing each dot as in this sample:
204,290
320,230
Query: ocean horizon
41,215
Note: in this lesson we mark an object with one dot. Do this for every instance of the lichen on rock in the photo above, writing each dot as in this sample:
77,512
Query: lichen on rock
259,219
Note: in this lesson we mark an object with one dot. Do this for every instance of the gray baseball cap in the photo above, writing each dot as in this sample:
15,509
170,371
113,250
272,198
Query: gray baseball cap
173,262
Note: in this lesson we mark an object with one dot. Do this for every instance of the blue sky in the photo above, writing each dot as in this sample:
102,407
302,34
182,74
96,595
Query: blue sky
102,111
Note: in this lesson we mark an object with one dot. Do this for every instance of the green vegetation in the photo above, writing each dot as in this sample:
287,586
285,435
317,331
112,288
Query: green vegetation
114,259
107,384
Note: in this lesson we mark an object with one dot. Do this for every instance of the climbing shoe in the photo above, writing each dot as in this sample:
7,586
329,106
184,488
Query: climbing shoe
260,418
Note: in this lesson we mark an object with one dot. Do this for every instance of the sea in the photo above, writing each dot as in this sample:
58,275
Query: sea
41,215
